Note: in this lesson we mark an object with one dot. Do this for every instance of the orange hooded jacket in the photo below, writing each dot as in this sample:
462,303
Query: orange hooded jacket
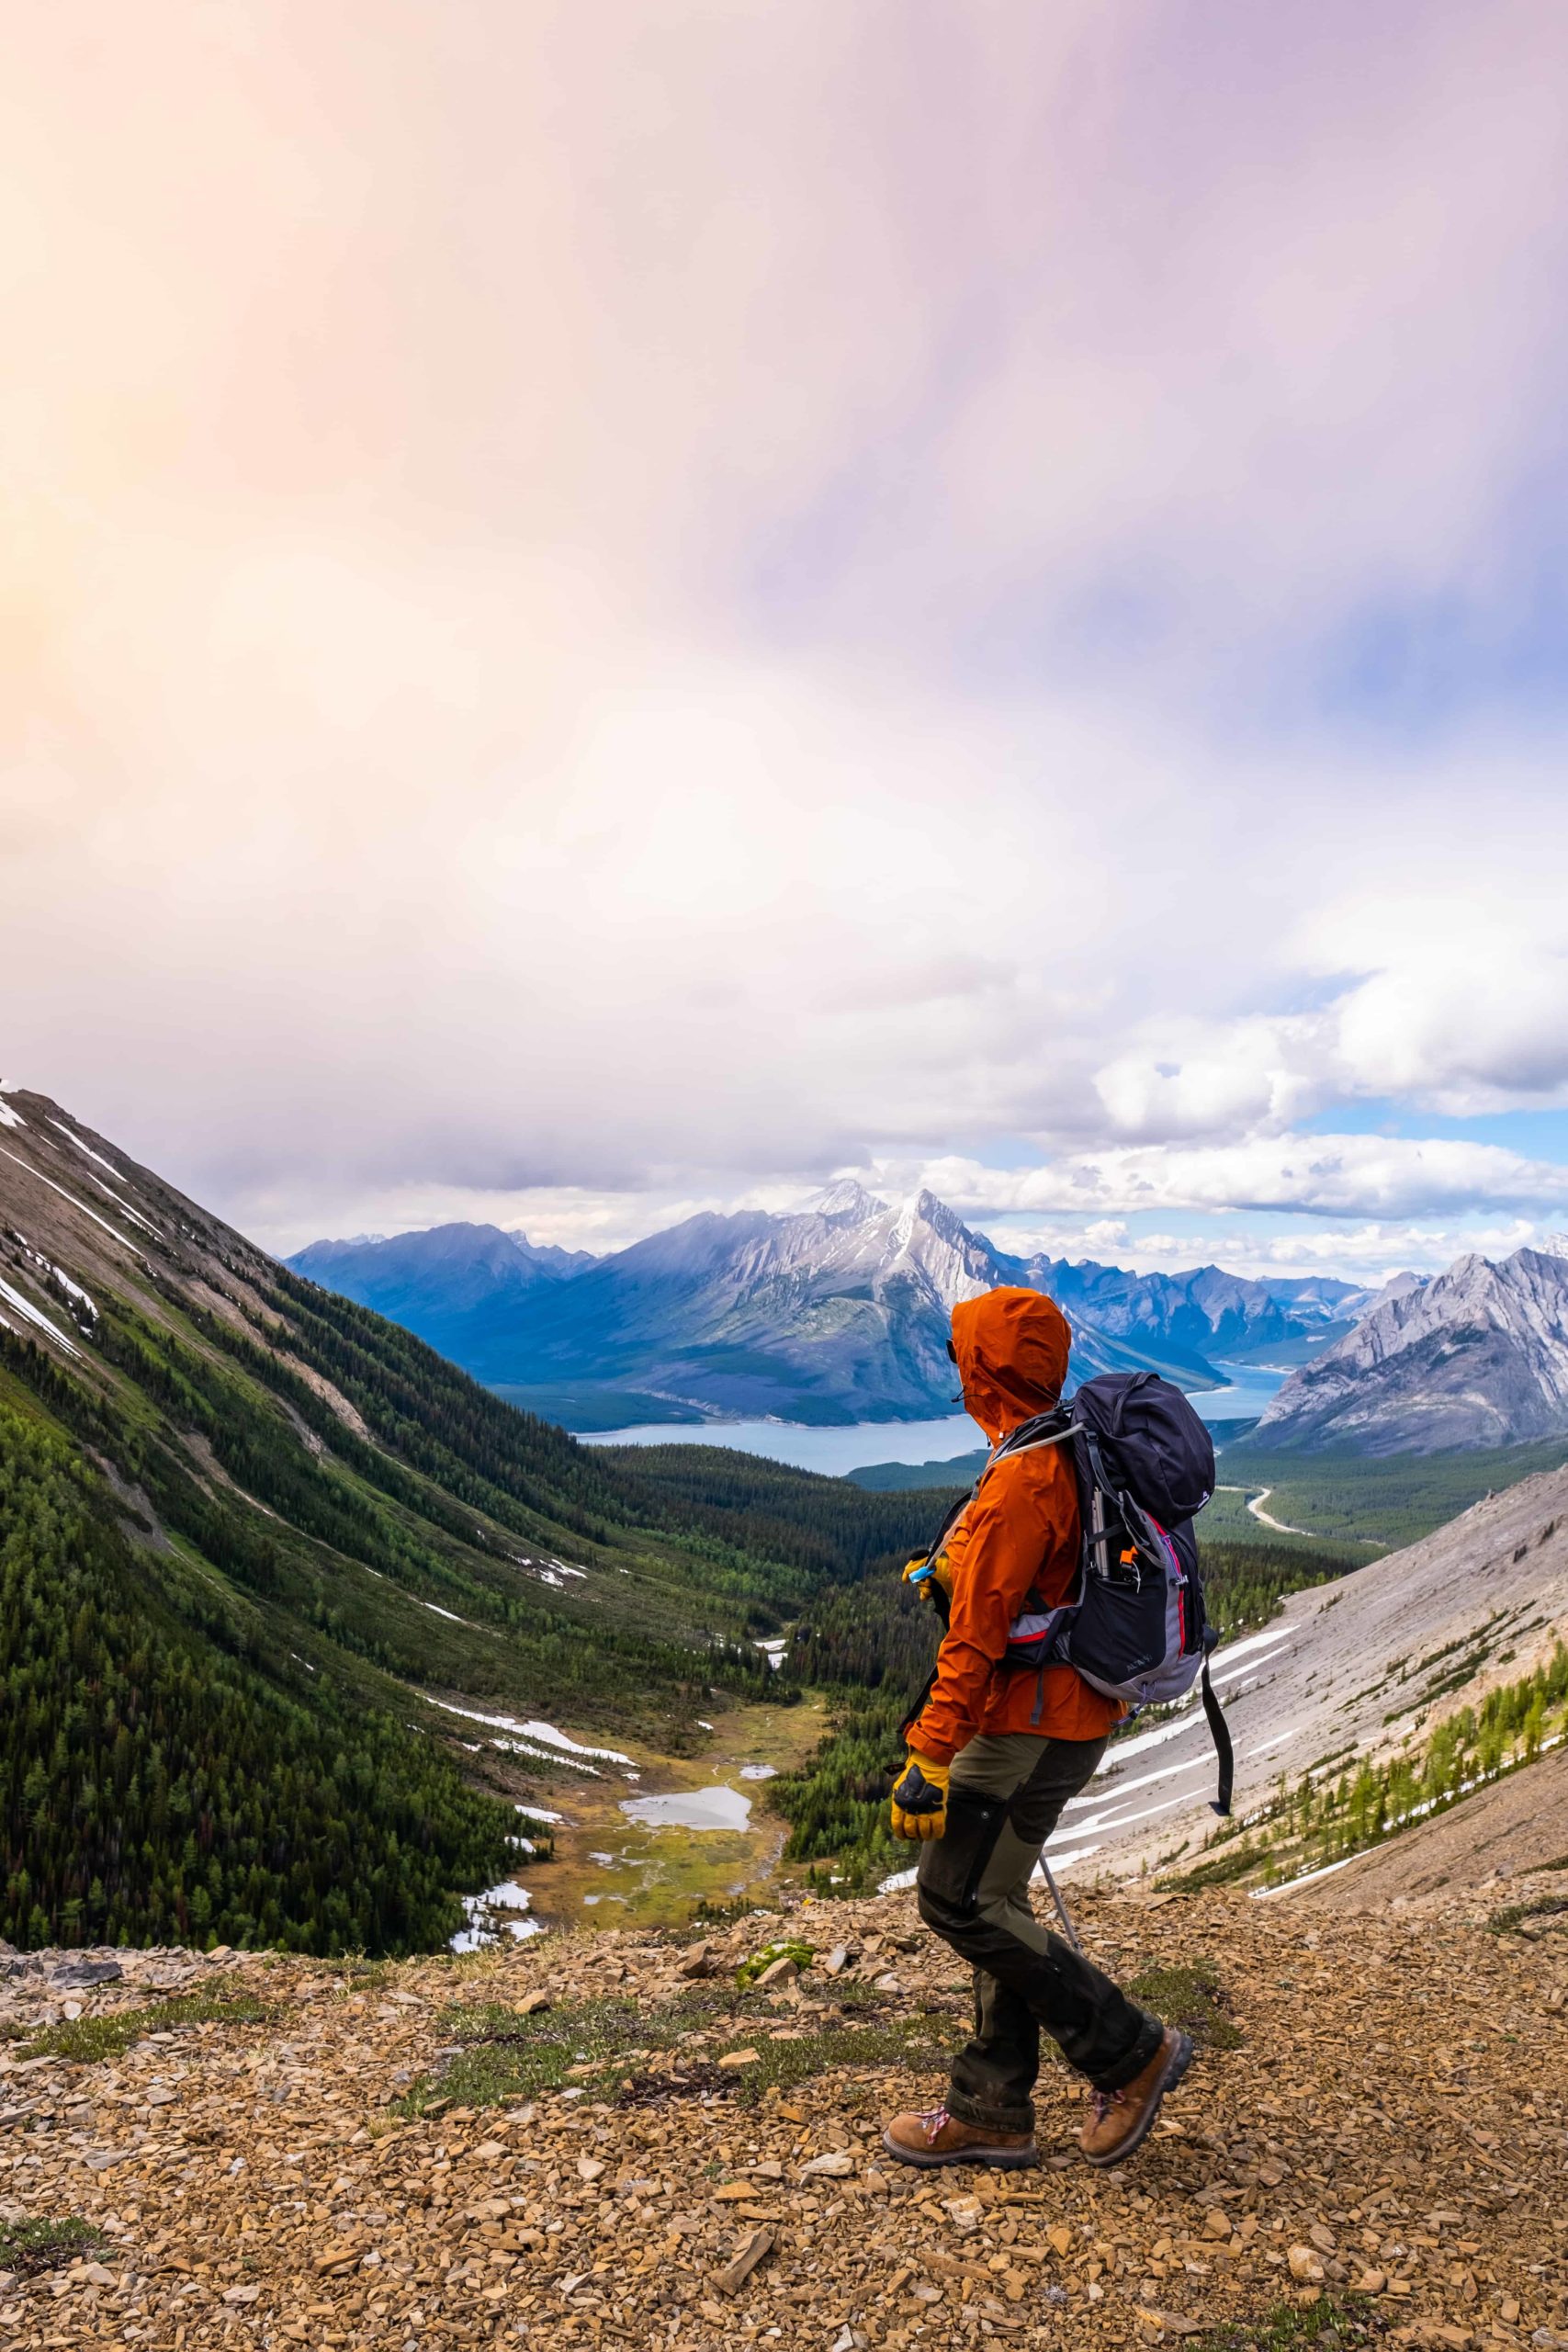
1020,1535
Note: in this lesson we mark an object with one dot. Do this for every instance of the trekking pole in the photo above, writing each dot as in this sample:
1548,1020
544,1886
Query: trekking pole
1062,1912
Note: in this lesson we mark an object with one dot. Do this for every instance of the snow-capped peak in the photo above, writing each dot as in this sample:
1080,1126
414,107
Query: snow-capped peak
848,1198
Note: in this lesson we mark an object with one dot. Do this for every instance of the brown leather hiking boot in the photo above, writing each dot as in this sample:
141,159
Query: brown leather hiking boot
1121,2120
939,2138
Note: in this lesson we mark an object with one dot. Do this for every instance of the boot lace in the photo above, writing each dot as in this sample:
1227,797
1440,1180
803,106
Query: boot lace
1102,2103
933,2121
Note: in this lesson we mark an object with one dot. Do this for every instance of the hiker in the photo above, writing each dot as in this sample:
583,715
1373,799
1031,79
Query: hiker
994,1755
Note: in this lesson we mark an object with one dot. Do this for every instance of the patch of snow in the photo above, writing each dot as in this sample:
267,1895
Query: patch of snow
1111,1819
534,1731
118,1173
73,1290
702,1726
1065,1862
507,1896
758,1771
896,1884
538,1813
1263,1893
436,1610
108,1229
485,1927
9,1118
35,1315
548,1576
773,1651
1143,1780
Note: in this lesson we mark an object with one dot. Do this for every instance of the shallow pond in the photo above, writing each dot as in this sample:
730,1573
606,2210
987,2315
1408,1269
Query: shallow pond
702,1832
716,1808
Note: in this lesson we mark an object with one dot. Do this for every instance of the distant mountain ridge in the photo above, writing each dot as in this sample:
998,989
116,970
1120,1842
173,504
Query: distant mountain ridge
1476,1357
834,1313
433,1282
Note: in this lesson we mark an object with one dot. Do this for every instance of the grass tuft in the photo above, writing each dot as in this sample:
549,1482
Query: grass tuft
87,2040
1507,1921
1191,1998
1323,2326
30,2247
794,1947
605,2046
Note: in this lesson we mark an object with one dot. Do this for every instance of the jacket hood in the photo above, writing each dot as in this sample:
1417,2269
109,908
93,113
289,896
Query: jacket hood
1012,1347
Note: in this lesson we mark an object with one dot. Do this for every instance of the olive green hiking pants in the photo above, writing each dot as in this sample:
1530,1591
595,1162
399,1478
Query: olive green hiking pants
1004,1799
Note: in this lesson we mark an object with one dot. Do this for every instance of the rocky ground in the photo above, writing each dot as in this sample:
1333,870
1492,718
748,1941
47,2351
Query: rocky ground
281,2152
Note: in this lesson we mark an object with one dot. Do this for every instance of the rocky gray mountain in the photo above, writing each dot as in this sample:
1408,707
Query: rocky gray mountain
1206,1313
1476,1357
1349,1674
837,1313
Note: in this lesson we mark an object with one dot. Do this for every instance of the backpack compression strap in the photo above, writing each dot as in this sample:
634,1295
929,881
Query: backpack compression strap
1219,1731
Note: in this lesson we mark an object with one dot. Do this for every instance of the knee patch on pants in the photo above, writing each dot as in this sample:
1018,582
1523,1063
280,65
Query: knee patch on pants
951,1869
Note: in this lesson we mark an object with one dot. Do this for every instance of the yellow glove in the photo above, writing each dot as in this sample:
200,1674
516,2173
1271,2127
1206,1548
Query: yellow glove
919,1799
930,1577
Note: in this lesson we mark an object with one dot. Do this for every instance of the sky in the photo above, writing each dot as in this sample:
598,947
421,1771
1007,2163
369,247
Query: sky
611,611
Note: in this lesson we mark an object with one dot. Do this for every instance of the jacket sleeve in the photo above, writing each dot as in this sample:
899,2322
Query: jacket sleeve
1008,1541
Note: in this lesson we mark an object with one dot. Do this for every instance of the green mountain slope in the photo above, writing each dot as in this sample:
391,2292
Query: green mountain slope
258,1542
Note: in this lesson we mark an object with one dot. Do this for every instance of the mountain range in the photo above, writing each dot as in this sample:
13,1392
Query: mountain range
836,1313
1476,1357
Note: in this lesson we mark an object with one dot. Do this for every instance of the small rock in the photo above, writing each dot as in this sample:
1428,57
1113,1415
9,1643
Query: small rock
589,2167
94,2274
699,1960
734,2273
241,2294
1216,2223
219,1953
779,1972
835,2165
341,2257
1372,2283
836,1961
531,2005
71,1973
733,2058
1305,2265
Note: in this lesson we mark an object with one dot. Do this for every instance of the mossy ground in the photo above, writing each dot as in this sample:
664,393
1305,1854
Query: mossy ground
84,2041
1189,1996
606,2046
1323,2326
1513,1915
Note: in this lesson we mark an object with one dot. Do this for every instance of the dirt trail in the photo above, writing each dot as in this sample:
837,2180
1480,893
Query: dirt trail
1390,2121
